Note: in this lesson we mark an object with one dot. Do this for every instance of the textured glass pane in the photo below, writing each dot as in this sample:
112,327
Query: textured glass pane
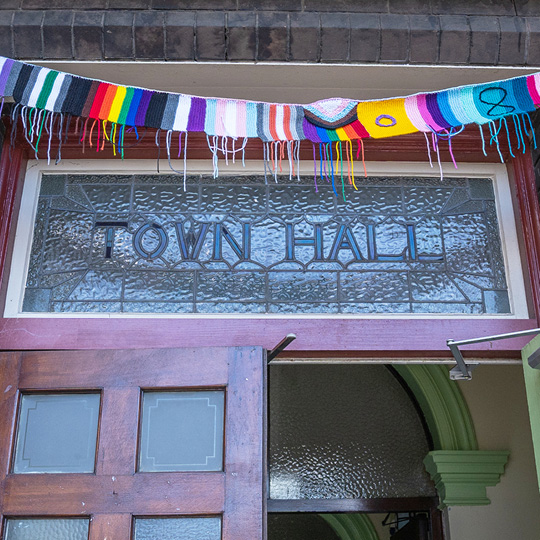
57,433
182,431
344,432
46,529
143,244
178,529
299,527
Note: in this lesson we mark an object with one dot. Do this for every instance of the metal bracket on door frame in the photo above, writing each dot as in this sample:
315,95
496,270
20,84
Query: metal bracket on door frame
463,371
285,342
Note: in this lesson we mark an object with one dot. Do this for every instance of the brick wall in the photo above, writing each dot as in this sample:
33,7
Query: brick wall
477,32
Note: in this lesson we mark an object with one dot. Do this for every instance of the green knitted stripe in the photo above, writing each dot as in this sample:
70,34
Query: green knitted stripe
47,88
125,105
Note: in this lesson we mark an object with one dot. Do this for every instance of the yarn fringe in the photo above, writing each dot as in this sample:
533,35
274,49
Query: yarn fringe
335,159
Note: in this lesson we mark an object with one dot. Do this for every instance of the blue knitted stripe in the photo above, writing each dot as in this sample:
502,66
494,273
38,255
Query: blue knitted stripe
446,110
210,120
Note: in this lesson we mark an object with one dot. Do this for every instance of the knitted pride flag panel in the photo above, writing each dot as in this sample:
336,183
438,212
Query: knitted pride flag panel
336,119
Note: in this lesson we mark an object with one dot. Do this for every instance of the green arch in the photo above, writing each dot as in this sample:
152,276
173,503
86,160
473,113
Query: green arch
351,526
444,407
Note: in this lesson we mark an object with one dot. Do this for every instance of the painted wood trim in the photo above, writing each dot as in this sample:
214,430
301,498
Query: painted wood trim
401,504
351,337
12,167
461,477
445,409
532,387
524,179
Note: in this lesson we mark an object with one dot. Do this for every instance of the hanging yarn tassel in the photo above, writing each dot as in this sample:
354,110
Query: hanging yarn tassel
276,158
361,148
50,133
519,133
315,167
530,135
185,159
347,153
265,160
339,159
123,132
213,147
40,132
168,141
352,164
325,162
224,150
60,139
290,158
494,139
428,150
435,141
508,137
320,161
113,138
298,147
483,140
158,144
449,135
103,134
332,166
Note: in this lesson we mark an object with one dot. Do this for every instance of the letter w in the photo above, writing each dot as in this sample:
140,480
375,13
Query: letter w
191,244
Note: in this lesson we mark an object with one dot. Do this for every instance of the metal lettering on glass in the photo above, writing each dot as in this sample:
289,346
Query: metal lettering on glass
191,244
133,243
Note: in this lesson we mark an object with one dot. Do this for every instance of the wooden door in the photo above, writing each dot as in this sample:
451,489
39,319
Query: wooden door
117,491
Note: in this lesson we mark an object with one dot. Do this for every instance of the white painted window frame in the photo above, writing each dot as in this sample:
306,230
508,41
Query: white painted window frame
27,214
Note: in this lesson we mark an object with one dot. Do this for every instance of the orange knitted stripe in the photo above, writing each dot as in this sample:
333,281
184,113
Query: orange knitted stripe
107,102
272,123
286,122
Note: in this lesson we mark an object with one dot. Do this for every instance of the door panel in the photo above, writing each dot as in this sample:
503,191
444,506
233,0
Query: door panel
116,492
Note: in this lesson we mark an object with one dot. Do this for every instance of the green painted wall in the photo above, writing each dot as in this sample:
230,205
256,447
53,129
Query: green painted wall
532,385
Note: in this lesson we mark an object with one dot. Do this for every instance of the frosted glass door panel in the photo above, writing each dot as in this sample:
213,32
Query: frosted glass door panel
46,529
178,529
57,433
182,431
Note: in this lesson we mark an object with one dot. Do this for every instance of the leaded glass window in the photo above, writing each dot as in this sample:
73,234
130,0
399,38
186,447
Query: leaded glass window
141,244
344,432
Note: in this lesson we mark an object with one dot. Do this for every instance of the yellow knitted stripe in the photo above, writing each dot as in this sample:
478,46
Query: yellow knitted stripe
116,106
385,118
340,132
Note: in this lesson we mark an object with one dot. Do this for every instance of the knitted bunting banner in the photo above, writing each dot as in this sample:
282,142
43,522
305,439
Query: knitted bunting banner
46,100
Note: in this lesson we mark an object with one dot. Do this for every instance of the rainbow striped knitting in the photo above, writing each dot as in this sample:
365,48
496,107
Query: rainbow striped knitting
42,96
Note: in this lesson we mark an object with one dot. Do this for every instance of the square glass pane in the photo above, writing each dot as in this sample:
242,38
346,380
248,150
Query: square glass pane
178,529
182,431
57,433
46,529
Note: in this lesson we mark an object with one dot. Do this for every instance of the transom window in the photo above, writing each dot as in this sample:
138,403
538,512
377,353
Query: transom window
116,243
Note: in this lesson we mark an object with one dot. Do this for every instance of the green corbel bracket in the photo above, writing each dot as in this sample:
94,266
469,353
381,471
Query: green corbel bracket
461,477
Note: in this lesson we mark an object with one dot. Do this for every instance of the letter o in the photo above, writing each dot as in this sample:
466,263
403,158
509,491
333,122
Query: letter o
384,117
138,238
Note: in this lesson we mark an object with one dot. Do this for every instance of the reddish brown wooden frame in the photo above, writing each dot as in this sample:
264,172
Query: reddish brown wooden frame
346,337
115,492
